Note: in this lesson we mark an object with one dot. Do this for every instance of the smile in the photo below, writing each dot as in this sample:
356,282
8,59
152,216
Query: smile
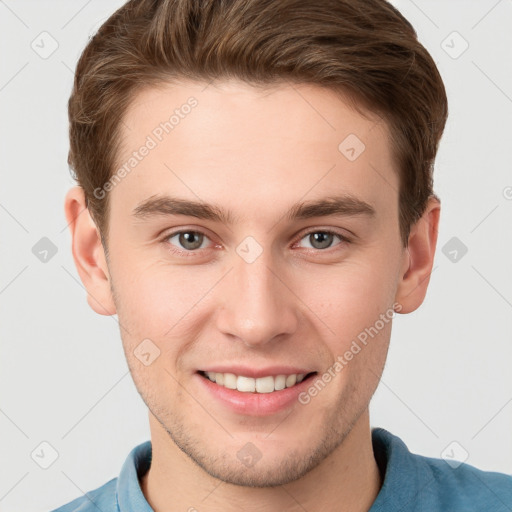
266,384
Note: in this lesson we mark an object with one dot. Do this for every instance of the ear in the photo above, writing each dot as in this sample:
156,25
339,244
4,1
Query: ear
419,259
88,253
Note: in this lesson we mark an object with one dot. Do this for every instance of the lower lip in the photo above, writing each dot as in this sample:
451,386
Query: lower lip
255,404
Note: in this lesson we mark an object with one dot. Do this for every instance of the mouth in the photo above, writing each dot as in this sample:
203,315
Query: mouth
260,385
255,392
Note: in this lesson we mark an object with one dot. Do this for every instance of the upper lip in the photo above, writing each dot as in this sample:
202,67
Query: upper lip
245,371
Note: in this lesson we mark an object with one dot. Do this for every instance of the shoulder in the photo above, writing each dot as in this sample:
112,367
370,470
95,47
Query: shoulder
468,487
417,483
103,498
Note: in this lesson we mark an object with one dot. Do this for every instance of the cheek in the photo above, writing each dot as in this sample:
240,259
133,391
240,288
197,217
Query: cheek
354,311
350,298
165,305
157,297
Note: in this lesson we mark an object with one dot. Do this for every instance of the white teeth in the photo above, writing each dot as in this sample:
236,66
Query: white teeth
291,380
246,384
264,384
280,382
250,385
230,380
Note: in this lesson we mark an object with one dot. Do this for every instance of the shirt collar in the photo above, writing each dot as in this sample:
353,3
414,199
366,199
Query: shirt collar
129,495
404,477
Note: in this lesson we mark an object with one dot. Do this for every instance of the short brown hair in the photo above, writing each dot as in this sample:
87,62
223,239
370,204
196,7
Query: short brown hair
364,49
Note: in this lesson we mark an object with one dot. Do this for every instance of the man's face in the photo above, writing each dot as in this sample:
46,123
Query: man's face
267,294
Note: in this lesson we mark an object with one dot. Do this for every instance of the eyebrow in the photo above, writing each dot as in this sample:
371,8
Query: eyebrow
340,205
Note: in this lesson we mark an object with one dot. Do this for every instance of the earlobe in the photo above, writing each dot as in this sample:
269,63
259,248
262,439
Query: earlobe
419,259
88,253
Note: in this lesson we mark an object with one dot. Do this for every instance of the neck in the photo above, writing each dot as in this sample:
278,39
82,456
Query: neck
348,480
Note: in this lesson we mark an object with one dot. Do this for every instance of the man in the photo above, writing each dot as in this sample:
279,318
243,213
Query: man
255,203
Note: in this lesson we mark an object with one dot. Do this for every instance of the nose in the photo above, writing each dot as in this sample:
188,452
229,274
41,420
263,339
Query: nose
257,305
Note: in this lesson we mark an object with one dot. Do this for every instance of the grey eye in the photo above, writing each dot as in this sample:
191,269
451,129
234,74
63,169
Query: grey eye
321,239
189,240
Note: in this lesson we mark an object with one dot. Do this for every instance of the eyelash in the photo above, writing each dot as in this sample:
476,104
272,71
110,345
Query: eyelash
193,253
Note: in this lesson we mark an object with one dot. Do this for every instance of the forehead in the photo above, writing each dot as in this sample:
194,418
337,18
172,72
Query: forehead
232,142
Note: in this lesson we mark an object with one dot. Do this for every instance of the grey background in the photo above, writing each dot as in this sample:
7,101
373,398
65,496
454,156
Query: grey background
63,375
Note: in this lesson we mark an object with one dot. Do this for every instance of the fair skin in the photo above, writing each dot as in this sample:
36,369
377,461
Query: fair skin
299,304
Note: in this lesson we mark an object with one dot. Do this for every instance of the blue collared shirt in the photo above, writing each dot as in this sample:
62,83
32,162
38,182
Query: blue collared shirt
412,483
